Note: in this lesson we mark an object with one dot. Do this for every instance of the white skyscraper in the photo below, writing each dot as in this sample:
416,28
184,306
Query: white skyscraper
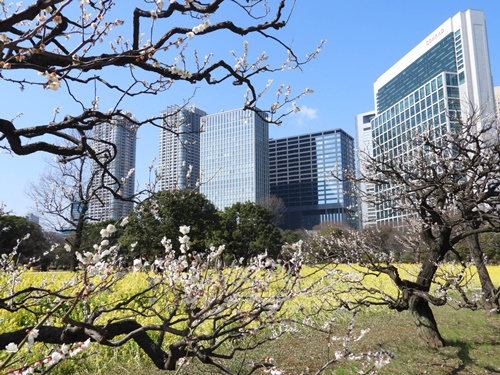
497,101
179,155
123,135
367,213
235,157
424,91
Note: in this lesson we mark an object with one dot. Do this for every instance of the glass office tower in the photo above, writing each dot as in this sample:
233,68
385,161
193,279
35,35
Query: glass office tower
301,174
123,135
179,155
234,157
436,81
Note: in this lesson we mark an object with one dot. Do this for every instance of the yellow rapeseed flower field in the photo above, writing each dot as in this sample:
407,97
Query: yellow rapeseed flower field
340,282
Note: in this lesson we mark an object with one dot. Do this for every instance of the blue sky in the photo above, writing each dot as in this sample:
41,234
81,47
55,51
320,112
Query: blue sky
365,38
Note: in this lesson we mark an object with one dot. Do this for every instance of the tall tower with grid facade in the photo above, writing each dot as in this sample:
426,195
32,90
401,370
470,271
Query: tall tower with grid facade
123,135
301,174
427,89
497,102
179,154
235,157
366,212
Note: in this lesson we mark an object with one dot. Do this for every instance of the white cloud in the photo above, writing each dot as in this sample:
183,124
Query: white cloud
305,115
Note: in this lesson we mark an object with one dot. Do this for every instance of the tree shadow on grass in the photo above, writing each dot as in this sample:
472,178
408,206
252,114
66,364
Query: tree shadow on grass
463,354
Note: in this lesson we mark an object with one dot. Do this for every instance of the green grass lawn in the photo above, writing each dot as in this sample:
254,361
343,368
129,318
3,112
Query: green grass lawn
472,339
473,345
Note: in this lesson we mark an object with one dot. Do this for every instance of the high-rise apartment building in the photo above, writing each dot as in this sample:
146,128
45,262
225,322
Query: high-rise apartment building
301,174
366,212
123,135
497,101
179,155
33,218
425,90
234,157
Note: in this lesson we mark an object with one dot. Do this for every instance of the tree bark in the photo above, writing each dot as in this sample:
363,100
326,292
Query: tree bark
72,334
419,307
490,296
79,228
423,317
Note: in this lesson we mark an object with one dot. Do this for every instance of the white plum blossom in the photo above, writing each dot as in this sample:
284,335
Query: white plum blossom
84,258
184,229
190,35
28,370
274,371
167,243
108,231
56,357
11,348
91,258
83,346
57,19
111,229
202,27
382,360
65,348
204,294
362,334
124,221
32,335
53,80
184,239
181,72
130,173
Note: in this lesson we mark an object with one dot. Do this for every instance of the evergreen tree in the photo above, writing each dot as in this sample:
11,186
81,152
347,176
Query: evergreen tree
247,230
162,215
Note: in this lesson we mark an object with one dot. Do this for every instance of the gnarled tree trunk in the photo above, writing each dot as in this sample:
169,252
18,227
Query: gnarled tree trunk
490,296
423,318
